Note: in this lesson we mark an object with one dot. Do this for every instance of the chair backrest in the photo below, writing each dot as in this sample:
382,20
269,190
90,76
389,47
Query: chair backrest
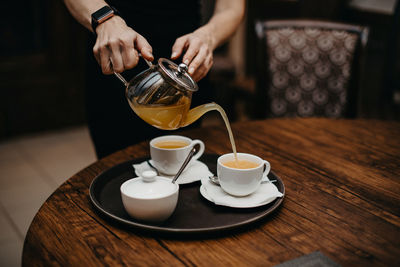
308,68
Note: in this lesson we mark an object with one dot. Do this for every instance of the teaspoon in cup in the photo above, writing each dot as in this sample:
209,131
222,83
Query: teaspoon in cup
185,163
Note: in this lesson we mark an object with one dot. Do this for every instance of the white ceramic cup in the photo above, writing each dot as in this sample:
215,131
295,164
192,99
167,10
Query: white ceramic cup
241,182
168,161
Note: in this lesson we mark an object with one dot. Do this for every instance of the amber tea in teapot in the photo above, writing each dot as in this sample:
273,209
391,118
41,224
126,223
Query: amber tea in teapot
168,117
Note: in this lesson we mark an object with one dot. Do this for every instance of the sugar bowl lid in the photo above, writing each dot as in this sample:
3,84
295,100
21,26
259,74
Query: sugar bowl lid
177,75
149,186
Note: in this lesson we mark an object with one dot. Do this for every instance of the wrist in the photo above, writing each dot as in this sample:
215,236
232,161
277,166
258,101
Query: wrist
208,31
114,22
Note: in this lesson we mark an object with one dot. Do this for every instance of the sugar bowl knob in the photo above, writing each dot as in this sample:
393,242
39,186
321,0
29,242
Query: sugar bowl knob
149,176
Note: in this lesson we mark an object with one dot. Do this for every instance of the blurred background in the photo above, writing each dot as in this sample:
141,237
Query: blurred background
42,58
43,136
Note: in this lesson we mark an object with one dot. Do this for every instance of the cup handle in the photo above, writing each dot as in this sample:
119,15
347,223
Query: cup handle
201,149
266,171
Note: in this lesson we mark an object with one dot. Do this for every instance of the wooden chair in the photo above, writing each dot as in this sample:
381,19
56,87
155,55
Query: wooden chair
308,68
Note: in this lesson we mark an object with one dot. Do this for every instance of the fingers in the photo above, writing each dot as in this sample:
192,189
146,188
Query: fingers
130,57
115,57
102,55
192,50
203,69
179,46
122,53
198,60
108,55
197,50
117,46
144,48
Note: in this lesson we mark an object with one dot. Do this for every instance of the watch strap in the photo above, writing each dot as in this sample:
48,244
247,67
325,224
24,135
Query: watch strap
102,15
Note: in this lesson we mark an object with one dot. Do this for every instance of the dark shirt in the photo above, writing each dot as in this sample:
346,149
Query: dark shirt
161,22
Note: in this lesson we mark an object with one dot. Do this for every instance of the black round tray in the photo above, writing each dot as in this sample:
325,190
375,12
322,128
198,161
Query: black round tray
193,214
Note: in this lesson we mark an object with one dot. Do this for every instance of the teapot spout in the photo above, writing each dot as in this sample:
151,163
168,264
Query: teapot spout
195,113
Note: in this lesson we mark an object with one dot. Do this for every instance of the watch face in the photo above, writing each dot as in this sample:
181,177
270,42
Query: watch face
103,14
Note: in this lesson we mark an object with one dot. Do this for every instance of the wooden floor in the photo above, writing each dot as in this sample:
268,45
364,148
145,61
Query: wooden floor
31,168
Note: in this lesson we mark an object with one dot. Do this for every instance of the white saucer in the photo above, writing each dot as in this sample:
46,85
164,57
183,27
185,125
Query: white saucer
267,190
194,172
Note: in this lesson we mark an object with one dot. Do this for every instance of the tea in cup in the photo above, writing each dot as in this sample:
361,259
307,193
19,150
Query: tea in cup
170,151
241,176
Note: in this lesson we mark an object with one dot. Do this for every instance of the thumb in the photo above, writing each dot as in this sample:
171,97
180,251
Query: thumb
144,48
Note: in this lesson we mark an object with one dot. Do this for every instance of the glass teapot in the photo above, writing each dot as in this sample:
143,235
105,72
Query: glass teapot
162,94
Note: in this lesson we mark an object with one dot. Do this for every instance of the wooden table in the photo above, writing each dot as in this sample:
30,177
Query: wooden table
342,180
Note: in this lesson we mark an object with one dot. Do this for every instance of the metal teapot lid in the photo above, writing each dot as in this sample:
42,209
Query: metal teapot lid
178,76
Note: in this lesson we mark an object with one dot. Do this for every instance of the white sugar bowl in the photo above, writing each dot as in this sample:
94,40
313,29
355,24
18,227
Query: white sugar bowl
150,198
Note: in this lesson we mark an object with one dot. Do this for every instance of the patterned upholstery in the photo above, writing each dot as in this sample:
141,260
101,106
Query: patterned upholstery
308,70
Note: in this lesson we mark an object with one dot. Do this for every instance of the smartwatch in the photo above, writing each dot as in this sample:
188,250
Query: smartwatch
101,15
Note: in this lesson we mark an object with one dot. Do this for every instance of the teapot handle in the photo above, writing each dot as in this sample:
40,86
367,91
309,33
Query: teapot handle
122,79
149,63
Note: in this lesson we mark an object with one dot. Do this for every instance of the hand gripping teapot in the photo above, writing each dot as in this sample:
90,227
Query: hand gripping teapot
161,95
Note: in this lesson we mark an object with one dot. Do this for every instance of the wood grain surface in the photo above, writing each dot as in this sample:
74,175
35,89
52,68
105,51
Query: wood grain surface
342,180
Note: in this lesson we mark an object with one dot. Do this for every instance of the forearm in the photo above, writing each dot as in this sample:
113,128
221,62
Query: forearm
226,18
82,10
